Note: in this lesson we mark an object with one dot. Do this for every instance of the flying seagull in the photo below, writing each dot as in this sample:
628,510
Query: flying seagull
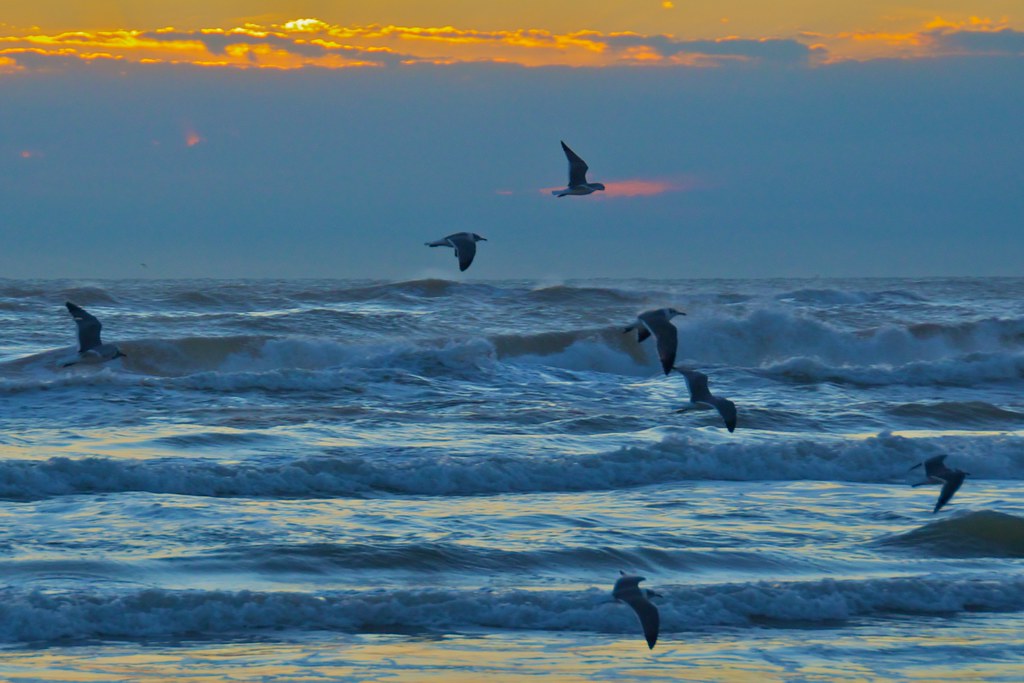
627,589
464,244
90,348
577,176
656,322
701,396
937,473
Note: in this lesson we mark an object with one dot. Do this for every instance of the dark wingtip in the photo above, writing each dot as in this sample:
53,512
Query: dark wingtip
731,427
651,642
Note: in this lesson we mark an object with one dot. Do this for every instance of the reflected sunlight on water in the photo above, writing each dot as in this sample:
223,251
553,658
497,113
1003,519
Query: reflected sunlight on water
436,480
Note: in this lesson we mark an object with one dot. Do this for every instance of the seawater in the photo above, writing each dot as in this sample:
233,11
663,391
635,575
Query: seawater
440,480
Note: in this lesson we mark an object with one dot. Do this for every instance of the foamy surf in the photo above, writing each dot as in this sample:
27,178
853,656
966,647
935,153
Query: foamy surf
42,617
360,463
433,471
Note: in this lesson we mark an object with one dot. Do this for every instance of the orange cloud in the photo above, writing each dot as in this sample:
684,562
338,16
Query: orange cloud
641,187
310,42
938,37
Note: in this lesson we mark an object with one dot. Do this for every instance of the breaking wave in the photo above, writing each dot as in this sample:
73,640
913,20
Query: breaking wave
38,616
774,344
429,471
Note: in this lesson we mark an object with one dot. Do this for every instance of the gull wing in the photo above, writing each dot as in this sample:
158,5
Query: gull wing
697,383
727,409
935,467
88,327
626,585
465,248
627,589
577,167
952,485
668,338
650,620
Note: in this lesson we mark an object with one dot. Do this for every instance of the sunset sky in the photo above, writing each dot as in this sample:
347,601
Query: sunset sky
271,138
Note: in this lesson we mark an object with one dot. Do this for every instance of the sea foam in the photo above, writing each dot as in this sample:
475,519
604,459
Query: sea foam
37,616
678,457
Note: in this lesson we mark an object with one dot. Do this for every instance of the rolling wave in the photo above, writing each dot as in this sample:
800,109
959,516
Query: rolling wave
426,471
960,371
780,344
583,295
984,533
325,558
43,616
834,297
965,413
766,336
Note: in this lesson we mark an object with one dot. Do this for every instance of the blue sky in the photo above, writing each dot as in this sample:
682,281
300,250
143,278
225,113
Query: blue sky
887,167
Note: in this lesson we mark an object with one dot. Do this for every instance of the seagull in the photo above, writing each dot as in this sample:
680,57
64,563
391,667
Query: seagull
627,589
90,348
577,176
464,244
656,322
937,473
701,396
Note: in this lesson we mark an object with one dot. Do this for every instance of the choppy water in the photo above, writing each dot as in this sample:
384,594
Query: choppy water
441,480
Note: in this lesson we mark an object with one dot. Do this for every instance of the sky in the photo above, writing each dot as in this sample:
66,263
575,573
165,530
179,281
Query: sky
267,138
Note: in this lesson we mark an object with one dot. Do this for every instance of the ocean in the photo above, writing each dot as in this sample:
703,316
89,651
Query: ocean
441,480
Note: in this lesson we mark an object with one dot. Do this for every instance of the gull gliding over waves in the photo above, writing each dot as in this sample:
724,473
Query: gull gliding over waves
701,396
464,244
578,168
90,348
937,473
657,322
627,589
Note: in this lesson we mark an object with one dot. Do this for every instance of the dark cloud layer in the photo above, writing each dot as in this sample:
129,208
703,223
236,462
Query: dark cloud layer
769,49
1005,41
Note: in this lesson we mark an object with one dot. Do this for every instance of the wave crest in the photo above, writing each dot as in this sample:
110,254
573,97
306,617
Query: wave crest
156,613
985,533
425,471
